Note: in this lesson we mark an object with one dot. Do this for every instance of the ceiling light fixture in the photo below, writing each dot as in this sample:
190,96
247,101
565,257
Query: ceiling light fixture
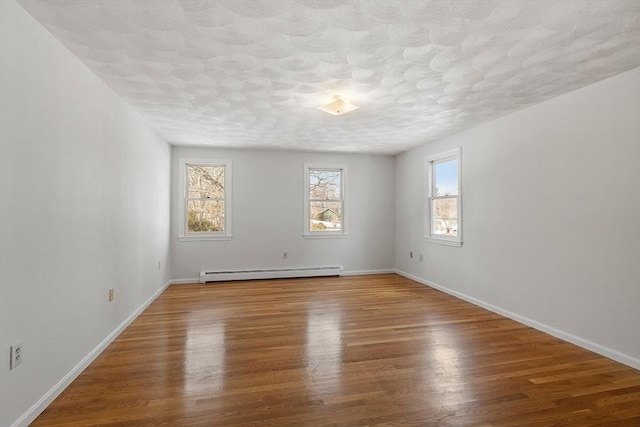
338,106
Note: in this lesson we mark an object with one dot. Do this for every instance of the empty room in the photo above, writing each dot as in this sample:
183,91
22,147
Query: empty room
320,213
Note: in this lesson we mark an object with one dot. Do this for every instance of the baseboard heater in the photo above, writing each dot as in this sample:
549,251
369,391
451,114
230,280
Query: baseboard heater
271,273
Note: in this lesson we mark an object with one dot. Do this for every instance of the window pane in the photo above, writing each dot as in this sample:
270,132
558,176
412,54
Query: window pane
325,184
205,181
445,218
205,216
325,216
445,176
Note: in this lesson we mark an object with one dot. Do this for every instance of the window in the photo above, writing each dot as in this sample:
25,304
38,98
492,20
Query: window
444,199
324,205
205,211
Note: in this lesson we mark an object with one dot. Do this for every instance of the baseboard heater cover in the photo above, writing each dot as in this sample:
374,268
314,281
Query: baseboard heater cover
271,273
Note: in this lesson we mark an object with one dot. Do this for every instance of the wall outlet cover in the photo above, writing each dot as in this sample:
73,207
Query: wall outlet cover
16,355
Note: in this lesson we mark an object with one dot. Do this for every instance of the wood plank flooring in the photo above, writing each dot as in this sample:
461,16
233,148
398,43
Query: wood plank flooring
352,351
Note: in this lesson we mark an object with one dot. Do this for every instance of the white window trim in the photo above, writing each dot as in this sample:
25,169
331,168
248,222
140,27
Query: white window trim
307,233
429,162
182,224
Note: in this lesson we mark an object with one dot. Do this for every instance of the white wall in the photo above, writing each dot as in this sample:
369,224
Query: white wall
84,207
268,219
551,205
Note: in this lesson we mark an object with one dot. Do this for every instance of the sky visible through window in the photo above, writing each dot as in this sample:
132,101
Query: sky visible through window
446,177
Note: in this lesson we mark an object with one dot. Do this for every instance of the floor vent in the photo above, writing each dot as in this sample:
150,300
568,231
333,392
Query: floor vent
271,273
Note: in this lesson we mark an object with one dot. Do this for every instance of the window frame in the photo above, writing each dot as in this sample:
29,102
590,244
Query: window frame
430,162
183,234
338,234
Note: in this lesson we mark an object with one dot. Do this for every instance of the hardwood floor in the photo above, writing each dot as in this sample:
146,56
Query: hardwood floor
352,351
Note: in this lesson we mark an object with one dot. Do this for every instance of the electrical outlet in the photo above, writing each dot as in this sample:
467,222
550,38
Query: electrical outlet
285,255
110,294
410,254
16,355
420,258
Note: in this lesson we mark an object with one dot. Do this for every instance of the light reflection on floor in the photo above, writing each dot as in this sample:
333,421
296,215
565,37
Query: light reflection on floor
324,352
442,373
204,363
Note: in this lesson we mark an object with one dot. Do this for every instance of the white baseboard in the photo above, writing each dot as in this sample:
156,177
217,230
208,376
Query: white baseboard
194,281
38,407
344,273
364,272
566,336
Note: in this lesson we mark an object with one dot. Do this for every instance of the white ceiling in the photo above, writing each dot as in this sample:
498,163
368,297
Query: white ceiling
243,73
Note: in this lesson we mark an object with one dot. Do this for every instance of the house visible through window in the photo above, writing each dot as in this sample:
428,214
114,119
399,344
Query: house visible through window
205,207
324,200
444,220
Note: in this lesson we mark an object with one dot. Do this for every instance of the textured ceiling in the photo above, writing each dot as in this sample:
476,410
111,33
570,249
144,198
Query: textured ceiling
243,73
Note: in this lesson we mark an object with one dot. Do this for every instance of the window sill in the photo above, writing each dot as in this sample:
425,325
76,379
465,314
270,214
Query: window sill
203,238
446,242
324,236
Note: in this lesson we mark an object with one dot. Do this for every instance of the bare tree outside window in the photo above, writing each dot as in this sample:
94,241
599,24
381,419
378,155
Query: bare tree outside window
444,197
446,216
205,198
444,222
325,200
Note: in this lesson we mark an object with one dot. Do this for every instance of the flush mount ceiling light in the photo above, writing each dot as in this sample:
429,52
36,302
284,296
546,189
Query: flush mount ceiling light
338,106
